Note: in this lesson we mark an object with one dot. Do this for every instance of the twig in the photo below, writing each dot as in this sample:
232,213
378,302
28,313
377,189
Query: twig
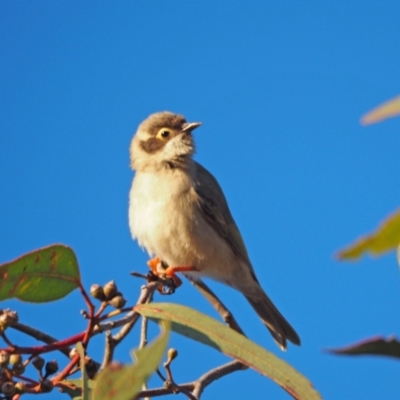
196,387
87,300
7,340
39,335
130,318
114,313
215,374
162,391
86,337
143,343
230,320
108,351
146,294
226,315
49,347
143,333
91,308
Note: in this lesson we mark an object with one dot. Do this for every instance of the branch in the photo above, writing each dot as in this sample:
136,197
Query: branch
222,310
196,387
39,335
215,374
108,351
146,295
162,391
127,323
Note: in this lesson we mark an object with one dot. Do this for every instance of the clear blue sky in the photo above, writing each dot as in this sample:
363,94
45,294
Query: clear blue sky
280,88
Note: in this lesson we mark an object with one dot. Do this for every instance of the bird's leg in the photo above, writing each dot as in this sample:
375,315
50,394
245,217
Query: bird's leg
170,272
160,269
153,264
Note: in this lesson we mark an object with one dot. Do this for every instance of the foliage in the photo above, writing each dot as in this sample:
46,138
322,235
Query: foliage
51,273
385,238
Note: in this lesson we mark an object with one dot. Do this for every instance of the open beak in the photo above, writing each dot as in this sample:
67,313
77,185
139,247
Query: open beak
190,126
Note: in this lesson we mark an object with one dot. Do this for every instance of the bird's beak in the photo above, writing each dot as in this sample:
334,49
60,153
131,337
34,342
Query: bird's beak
190,126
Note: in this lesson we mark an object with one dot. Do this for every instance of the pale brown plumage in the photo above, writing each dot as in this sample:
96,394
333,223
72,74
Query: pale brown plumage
179,213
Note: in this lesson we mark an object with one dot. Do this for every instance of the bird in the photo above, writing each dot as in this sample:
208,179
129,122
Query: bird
179,214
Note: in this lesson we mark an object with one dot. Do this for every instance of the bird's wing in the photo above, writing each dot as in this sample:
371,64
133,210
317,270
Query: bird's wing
215,210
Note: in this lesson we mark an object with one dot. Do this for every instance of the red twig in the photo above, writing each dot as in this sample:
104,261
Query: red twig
67,370
91,315
86,336
48,347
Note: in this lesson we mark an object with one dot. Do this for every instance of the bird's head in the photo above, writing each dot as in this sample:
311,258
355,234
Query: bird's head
163,140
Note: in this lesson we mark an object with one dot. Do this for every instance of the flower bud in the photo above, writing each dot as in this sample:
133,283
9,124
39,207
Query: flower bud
38,362
18,368
92,367
97,292
172,354
15,359
8,318
20,387
8,388
46,385
110,289
4,358
117,301
51,367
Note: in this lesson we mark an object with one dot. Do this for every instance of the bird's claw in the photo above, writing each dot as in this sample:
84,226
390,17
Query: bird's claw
166,275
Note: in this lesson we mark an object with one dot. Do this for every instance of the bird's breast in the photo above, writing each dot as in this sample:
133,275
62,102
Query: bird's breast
165,218
162,215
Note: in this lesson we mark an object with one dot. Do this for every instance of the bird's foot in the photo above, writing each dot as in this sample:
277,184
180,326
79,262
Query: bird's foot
168,274
154,264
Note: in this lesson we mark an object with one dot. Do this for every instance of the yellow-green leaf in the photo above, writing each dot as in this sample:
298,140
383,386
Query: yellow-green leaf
85,379
386,110
386,238
119,382
43,275
211,332
73,388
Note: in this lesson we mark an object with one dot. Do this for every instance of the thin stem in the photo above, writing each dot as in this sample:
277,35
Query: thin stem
226,315
50,347
143,343
39,335
143,333
215,374
146,295
108,351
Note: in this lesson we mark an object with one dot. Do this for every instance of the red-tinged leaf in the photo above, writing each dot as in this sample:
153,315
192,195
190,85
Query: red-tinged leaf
384,239
206,330
386,110
378,346
43,275
123,382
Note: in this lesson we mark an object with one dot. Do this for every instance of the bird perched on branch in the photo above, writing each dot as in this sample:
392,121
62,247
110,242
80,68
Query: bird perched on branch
178,212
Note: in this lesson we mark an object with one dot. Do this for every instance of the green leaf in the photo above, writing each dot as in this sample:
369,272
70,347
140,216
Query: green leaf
376,346
43,275
73,388
206,330
386,110
386,238
119,382
85,388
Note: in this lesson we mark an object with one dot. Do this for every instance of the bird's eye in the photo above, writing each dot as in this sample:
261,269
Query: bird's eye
163,134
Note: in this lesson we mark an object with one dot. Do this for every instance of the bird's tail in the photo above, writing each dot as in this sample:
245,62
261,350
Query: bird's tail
280,329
